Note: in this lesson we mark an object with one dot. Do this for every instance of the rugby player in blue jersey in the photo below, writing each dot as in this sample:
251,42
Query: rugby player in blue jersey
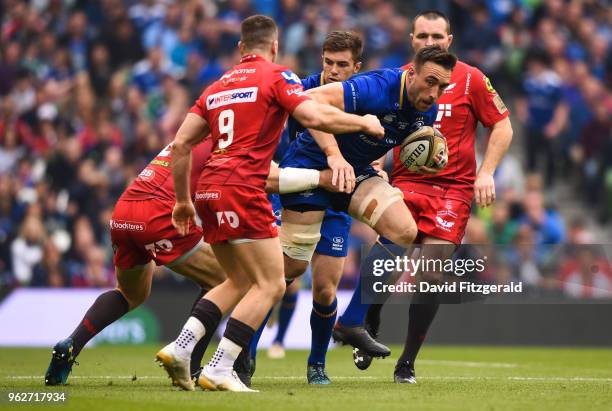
404,101
341,59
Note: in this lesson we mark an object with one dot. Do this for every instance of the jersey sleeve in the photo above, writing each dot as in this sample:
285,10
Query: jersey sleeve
367,93
199,107
488,106
288,90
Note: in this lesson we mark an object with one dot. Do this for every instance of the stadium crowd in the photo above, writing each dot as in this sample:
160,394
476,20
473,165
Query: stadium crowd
90,91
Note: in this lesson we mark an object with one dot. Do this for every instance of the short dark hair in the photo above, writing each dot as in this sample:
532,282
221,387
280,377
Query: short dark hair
435,54
344,40
257,31
432,15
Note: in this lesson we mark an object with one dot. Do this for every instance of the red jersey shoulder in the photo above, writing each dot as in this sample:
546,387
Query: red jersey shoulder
486,102
288,88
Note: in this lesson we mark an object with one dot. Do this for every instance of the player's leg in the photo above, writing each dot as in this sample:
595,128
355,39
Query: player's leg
261,261
327,269
423,309
201,266
205,317
134,271
299,234
442,222
285,314
133,288
326,273
359,324
379,205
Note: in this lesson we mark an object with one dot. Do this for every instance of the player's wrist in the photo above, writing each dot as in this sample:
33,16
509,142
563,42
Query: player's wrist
293,180
331,150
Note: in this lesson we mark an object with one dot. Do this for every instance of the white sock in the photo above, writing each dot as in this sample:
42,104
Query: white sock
191,333
225,356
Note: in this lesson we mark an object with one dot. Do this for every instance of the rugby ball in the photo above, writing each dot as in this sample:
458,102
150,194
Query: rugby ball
421,147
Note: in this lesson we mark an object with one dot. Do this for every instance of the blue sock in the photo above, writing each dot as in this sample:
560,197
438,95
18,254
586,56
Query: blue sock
284,316
257,335
322,320
355,313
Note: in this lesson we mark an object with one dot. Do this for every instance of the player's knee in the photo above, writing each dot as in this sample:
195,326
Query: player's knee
135,297
294,268
300,240
324,294
279,290
272,289
406,234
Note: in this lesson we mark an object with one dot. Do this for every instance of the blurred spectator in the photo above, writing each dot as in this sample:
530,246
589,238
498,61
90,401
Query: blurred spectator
50,272
588,275
543,113
591,144
546,224
27,249
481,42
502,229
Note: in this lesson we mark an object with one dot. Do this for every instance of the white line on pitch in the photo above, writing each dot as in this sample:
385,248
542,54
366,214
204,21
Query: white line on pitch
346,377
475,364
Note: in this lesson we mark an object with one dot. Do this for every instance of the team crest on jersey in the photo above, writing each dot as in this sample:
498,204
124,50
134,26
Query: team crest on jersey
443,217
489,86
236,96
444,110
290,77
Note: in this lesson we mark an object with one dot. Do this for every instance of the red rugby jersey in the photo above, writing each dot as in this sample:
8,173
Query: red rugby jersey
468,99
156,181
246,110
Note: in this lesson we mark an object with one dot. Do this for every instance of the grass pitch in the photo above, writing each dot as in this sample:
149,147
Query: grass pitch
449,378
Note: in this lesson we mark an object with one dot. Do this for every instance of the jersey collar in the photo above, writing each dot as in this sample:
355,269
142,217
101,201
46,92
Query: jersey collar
403,97
408,68
251,57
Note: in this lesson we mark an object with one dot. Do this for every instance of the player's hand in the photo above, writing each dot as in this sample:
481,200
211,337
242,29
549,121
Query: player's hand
440,162
372,126
343,175
378,166
383,174
183,216
484,190
325,181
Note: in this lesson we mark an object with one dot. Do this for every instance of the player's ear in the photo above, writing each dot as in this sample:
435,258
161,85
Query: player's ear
241,47
357,67
275,48
450,40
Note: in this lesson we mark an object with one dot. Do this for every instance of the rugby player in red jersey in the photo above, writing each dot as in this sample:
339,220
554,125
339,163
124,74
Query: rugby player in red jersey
143,236
245,111
439,200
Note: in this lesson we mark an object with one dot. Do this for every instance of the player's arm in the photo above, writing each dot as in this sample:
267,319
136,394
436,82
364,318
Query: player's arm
192,131
327,118
343,174
331,94
499,141
294,180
